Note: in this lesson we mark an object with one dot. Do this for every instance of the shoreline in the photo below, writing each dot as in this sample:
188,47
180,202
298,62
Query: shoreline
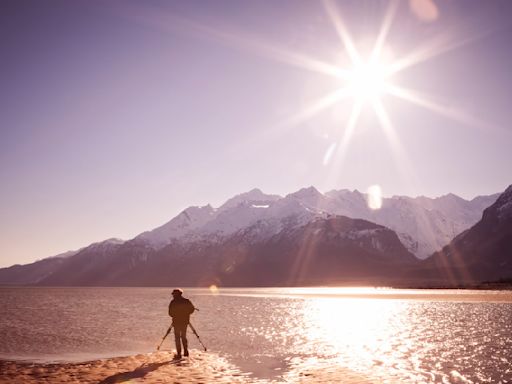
505,285
155,367
158,367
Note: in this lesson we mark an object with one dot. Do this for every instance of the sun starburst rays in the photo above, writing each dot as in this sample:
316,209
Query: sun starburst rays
341,148
386,25
316,106
342,31
442,109
367,81
370,80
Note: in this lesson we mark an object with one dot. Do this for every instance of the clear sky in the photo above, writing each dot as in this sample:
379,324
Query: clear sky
115,116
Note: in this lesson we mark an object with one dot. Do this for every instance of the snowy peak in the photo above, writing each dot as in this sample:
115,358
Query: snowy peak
232,218
249,212
482,202
254,196
310,197
464,212
336,192
197,215
102,248
451,197
350,203
187,221
112,242
306,193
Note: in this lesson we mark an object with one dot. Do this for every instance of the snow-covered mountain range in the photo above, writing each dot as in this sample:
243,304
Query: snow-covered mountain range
423,224
303,238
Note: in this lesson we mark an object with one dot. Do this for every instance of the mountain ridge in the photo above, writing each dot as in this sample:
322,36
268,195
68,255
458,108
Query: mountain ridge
482,252
423,224
247,224
301,253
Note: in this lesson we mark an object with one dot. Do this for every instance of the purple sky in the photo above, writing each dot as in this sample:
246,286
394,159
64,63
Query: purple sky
114,116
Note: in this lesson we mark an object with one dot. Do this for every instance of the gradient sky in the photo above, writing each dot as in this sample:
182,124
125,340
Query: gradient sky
114,116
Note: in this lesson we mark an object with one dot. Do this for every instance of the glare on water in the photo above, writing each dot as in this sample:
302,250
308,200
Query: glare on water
390,335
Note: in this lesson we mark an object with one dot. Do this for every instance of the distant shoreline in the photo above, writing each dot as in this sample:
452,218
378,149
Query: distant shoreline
486,286
494,286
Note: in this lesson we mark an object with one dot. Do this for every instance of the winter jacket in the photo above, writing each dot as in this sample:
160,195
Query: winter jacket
180,310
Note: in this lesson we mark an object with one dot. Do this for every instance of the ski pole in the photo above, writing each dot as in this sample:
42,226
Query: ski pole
163,338
195,333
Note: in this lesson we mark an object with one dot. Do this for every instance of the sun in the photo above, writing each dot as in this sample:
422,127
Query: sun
368,81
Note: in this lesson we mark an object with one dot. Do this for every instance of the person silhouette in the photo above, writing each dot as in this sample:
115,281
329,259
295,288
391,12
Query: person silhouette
180,310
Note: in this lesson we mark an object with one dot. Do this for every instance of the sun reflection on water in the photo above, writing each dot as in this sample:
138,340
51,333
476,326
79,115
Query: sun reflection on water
358,325
391,340
381,335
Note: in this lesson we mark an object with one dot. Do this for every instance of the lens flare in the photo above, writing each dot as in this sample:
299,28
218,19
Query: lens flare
374,197
329,153
214,289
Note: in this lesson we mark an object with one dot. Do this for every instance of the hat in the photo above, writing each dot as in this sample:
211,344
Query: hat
177,291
